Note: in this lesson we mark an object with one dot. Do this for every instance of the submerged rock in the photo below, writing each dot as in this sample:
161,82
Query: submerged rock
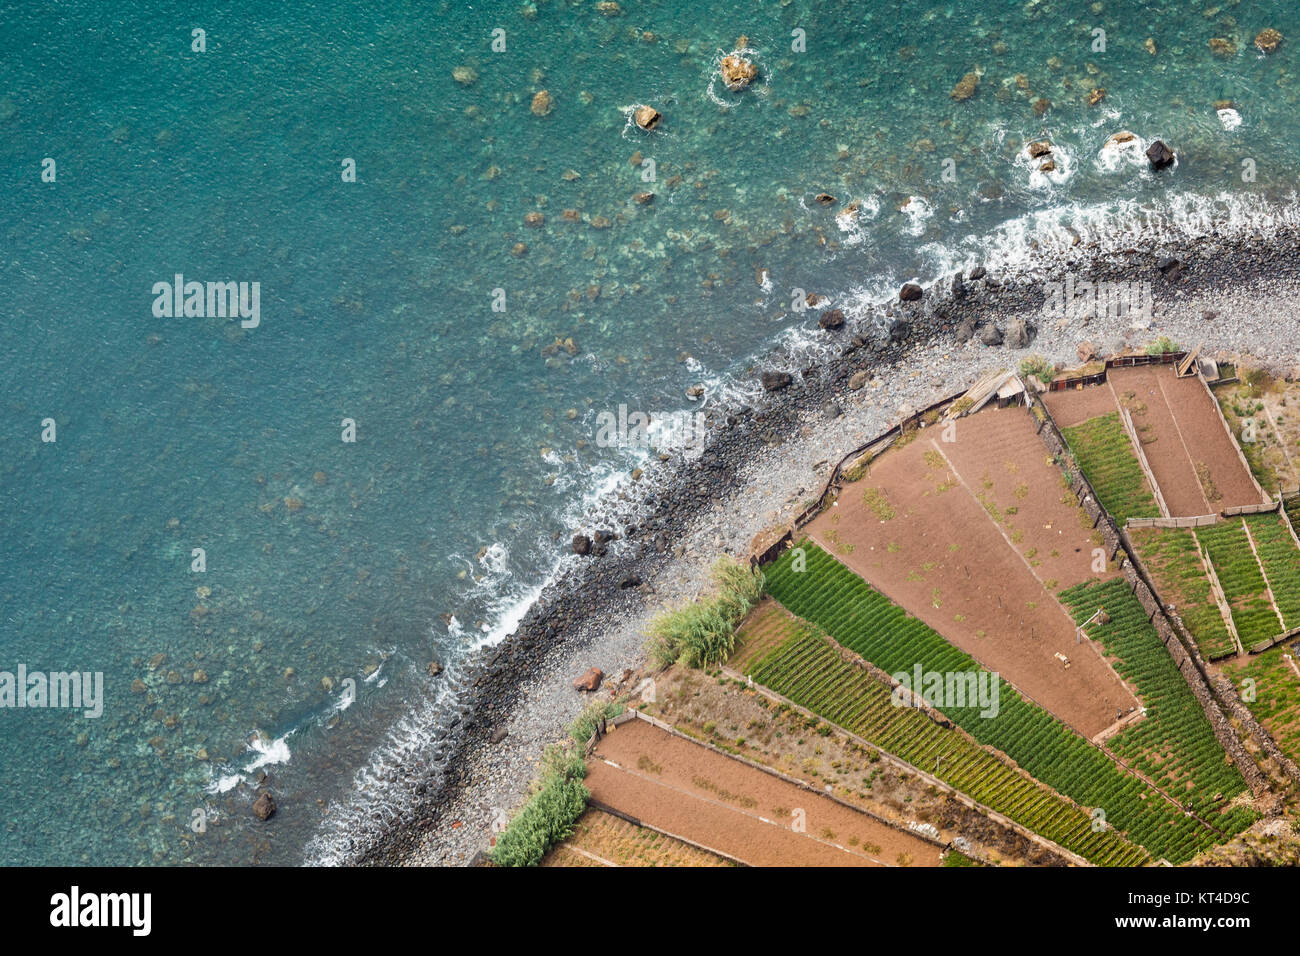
1268,40
543,103
465,75
966,87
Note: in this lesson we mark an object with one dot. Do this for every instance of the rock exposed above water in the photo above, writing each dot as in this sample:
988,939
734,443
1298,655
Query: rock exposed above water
1160,155
264,806
647,117
911,292
775,381
737,72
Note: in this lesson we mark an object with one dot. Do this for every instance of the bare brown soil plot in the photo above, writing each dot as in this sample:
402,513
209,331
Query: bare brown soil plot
916,532
691,791
1194,462
1000,456
1074,406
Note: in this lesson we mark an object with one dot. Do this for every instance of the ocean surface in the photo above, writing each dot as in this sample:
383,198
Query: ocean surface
473,349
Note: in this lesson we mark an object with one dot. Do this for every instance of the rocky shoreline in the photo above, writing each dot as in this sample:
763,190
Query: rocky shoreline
1215,288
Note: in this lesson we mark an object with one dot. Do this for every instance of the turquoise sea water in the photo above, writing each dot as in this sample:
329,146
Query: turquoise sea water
330,562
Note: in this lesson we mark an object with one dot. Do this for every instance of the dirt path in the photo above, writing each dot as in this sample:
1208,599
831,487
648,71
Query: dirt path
690,791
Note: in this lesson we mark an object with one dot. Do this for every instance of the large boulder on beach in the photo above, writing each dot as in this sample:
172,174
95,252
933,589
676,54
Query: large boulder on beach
910,292
1160,155
898,330
775,381
264,806
991,335
1087,352
581,544
858,379
1019,334
590,681
831,319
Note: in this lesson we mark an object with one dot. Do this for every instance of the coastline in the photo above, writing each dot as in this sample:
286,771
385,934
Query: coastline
761,465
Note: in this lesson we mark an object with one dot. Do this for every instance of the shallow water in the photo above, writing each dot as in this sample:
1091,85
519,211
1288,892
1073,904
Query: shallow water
476,447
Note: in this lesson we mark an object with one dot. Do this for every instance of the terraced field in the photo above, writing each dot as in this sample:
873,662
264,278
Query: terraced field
1270,686
1175,745
1172,557
1281,563
848,609
1241,580
1102,448
602,839
811,671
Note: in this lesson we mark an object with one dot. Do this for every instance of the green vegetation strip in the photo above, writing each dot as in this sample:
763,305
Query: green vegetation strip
1174,560
810,670
1102,448
1174,745
1270,687
1281,560
1242,583
858,617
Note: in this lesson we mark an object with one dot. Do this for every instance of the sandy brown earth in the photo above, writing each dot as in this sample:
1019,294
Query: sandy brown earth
916,529
693,792
1193,460
1074,406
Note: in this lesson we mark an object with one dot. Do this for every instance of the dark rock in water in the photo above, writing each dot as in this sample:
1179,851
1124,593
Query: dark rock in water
775,381
604,536
898,330
581,544
1019,333
1160,155
264,806
434,668
590,681
498,735
991,335
911,292
979,272
831,319
832,410
1040,148
643,199
630,581
826,199
958,287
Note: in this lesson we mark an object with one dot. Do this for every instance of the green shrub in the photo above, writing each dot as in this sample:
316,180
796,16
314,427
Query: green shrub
704,632
585,724
1036,366
1163,346
548,817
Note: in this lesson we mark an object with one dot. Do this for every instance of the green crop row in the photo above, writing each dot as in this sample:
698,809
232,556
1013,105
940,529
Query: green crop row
1174,560
858,617
1102,448
1241,580
1281,561
809,670
1174,744
1270,687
